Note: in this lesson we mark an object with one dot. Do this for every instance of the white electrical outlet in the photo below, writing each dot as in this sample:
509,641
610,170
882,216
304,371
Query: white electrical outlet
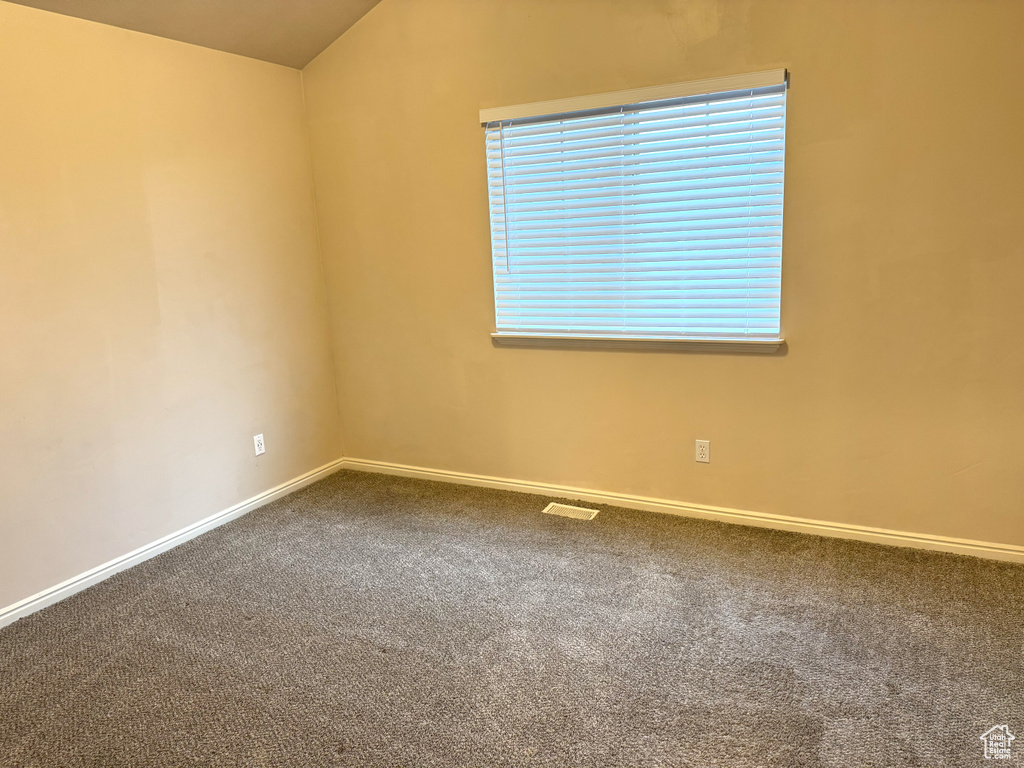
257,441
704,451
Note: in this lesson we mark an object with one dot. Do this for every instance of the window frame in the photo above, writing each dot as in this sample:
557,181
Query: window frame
573,106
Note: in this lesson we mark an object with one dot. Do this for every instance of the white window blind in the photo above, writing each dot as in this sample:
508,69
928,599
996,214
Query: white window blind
657,220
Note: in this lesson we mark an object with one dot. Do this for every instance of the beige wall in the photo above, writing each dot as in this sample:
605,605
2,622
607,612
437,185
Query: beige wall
161,297
900,402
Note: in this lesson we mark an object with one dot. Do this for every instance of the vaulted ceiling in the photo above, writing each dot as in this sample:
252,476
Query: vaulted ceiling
289,32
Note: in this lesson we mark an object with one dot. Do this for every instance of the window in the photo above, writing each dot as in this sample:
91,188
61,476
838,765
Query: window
653,214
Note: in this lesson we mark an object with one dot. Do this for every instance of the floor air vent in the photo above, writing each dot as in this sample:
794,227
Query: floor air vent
578,513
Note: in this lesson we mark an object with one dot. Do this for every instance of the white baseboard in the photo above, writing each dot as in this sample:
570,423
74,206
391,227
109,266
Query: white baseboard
52,595
988,550
984,549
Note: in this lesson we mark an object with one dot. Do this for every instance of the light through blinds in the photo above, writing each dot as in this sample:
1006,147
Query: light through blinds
658,219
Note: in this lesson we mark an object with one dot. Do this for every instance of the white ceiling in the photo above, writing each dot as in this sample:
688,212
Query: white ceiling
289,32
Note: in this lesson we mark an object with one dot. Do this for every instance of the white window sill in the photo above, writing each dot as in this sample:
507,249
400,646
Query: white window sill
738,345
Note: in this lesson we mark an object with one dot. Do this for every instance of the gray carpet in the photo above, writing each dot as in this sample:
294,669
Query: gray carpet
378,621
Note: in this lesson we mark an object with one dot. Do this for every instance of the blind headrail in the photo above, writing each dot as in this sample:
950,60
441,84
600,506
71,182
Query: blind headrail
636,96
